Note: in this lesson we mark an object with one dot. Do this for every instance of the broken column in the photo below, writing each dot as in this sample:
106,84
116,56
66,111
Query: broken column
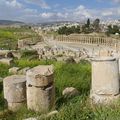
15,91
105,80
40,88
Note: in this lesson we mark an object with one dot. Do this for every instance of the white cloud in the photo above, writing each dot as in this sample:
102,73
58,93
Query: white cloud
13,3
118,1
13,9
47,15
82,11
115,1
40,3
107,13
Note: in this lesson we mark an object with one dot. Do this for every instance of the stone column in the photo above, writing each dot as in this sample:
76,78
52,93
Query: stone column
15,91
105,80
40,88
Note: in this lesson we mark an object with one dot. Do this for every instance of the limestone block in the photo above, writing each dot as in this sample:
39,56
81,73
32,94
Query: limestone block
7,61
52,113
15,106
60,59
14,70
104,53
70,91
16,54
31,118
40,88
104,99
21,44
119,64
105,77
23,71
40,76
3,53
40,99
14,90
77,60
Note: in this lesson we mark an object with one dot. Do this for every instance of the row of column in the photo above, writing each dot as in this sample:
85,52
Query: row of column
88,40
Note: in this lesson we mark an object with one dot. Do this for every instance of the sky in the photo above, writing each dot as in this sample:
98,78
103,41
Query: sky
36,11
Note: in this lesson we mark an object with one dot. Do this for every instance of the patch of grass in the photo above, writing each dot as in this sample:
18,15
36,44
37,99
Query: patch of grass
4,70
9,36
73,75
75,108
22,63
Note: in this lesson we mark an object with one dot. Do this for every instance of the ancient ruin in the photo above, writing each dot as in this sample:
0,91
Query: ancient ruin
40,88
15,91
105,80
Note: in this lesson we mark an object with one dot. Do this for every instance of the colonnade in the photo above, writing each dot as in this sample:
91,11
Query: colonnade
88,39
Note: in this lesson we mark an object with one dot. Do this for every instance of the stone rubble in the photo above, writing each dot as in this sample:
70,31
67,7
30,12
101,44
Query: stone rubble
70,91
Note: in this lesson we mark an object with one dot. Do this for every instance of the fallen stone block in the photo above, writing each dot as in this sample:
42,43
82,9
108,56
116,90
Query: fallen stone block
8,61
70,91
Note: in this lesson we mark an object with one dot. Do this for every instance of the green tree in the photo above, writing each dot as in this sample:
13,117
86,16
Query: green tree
113,29
96,25
86,28
69,30
88,23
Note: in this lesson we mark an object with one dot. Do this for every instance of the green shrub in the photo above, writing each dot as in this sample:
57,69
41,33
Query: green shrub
28,53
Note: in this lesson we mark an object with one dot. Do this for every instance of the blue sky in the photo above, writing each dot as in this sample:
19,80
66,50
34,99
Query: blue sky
58,10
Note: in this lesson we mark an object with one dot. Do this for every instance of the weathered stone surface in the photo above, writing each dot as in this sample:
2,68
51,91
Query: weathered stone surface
40,76
14,70
60,59
7,61
105,79
40,99
70,91
104,99
104,53
16,54
52,113
14,90
77,60
32,118
40,88
3,53
15,106
119,64
23,71
21,44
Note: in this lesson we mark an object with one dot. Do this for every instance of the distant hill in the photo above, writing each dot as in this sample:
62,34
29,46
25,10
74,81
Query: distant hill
55,22
10,22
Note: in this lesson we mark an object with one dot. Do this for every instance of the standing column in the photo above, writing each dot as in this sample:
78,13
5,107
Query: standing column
15,91
105,80
40,88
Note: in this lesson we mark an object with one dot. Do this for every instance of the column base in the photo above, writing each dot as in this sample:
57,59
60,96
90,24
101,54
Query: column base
104,99
15,106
